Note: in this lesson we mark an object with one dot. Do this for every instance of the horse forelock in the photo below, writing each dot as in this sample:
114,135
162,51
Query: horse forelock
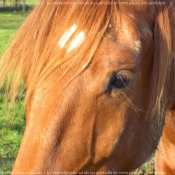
56,39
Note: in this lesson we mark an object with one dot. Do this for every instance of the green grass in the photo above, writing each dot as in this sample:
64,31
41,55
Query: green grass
9,24
12,122
10,3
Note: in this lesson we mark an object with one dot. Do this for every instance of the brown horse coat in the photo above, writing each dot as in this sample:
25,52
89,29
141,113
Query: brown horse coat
97,77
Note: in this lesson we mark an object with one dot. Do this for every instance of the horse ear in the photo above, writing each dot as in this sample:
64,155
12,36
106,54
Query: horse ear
163,73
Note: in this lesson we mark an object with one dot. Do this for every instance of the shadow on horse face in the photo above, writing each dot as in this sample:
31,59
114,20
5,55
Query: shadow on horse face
97,120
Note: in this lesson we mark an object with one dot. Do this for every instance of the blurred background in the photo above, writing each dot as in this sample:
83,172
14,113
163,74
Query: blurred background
12,122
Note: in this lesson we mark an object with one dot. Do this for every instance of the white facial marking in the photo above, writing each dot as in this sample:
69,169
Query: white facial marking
66,36
76,41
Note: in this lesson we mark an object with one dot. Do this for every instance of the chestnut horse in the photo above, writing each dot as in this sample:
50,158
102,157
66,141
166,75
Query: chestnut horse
97,75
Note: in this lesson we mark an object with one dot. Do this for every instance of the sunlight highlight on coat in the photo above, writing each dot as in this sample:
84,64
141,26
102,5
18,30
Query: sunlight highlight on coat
146,30
137,47
129,39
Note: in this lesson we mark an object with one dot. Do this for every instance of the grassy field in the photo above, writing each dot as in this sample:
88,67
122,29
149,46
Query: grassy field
10,3
9,23
12,122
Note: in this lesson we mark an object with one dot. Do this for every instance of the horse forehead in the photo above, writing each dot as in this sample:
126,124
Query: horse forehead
133,28
128,35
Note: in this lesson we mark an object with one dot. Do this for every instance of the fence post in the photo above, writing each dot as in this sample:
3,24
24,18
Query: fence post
16,3
4,3
24,5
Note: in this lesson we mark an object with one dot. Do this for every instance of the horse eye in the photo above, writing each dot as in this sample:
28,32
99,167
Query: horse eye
119,82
